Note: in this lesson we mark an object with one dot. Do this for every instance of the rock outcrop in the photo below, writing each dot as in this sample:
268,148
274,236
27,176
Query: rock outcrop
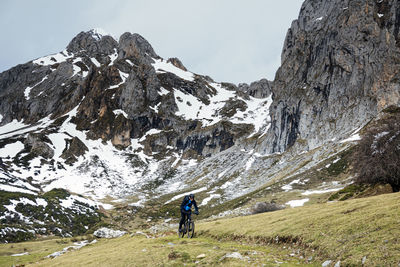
105,232
339,69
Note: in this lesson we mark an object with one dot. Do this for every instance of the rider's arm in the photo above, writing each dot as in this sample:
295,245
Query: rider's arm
195,206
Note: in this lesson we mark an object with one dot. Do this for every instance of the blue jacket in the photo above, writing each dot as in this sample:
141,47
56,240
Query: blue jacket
186,205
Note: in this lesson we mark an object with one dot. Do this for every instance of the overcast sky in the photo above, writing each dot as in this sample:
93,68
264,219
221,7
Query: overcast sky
229,40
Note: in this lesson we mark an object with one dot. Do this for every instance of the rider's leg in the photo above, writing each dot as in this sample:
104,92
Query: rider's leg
182,221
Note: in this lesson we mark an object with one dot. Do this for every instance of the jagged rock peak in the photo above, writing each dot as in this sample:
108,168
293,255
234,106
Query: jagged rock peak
93,41
134,45
258,89
98,33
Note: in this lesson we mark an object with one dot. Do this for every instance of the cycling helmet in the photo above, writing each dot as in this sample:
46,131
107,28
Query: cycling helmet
191,196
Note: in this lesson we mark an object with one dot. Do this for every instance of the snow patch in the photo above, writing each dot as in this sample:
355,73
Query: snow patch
380,135
149,132
249,163
76,69
113,57
289,187
25,201
297,203
59,143
123,76
207,199
41,202
129,62
98,33
77,245
355,137
163,91
95,62
222,174
226,185
162,66
29,88
11,150
71,202
10,188
257,113
20,254
54,58
311,192
187,193
191,108
120,111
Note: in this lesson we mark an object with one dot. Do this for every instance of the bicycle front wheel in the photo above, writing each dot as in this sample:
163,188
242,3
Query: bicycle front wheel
190,229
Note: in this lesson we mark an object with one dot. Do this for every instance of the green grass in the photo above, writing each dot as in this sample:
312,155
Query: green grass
138,250
346,231
37,251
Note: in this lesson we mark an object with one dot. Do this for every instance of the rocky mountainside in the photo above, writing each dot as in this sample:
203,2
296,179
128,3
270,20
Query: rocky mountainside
339,70
113,121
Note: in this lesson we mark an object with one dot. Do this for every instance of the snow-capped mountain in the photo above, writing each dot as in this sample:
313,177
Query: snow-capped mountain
105,118
111,118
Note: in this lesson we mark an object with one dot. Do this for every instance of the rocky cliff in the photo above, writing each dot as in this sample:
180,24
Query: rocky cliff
340,65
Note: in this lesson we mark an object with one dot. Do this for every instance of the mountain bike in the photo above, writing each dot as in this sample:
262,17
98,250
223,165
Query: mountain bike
187,229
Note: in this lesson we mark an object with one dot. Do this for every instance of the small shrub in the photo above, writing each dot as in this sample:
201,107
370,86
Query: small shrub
173,255
376,158
56,193
261,207
347,192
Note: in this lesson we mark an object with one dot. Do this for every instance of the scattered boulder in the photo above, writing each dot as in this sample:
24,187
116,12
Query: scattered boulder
38,145
177,63
364,259
235,255
261,207
75,148
201,256
108,233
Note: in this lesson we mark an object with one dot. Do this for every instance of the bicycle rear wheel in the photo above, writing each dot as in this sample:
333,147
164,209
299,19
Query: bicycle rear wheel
190,230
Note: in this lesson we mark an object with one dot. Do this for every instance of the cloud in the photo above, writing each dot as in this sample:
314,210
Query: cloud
229,40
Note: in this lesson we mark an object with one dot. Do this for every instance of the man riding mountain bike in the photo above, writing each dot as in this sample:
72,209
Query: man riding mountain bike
186,209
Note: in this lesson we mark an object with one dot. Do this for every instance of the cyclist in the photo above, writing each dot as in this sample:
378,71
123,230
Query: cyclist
186,209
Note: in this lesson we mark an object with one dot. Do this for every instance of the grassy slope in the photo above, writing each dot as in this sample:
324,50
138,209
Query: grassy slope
37,250
128,217
345,231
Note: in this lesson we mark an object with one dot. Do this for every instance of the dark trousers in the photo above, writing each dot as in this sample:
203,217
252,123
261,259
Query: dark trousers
184,216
